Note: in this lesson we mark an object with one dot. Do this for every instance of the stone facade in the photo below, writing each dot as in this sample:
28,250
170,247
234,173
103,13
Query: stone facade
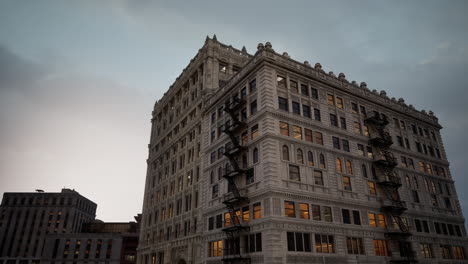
309,189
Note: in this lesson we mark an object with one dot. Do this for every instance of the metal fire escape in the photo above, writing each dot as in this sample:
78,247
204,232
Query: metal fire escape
231,250
388,180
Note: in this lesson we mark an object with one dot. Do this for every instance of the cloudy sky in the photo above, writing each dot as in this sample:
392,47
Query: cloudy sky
78,79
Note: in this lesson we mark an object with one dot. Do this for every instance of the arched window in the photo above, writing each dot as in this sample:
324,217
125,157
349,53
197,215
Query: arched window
244,161
416,185
255,155
322,161
349,167
364,171
285,152
310,158
426,184
338,166
299,156
220,173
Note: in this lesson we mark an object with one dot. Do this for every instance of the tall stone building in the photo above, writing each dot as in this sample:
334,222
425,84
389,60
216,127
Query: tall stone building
27,218
263,159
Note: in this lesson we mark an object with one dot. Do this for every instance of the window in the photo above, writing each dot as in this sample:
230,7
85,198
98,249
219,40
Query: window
304,89
331,99
298,241
253,243
376,220
415,196
304,211
297,132
349,167
222,67
314,93
289,209
245,214
361,149
336,143
318,177
254,132
215,248
299,156
317,114
357,128
257,211
347,183
281,81
346,216
381,218
322,161
214,193
343,123
211,223
339,167
285,152
355,246
381,247
318,138
308,135
283,104
255,155
364,170
372,189
333,120
253,107
339,102
253,85
324,244
296,108
458,252
310,158
316,212
306,111
357,217
227,219
327,214
426,250
354,108
284,128
293,85
294,173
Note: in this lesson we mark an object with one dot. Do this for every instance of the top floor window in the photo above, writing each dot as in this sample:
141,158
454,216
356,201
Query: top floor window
253,85
293,85
304,89
281,81
331,99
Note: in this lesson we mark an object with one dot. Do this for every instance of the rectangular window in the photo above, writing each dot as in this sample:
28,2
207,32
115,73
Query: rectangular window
339,102
254,132
318,138
372,219
314,93
284,128
316,213
343,123
324,244
346,145
304,211
281,81
372,189
333,120
347,183
331,99
293,86
336,143
426,250
318,177
357,128
289,209
296,108
306,111
245,214
346,216
317,114
253,243
215,248
381,247
294,174
327,214
354,108
297,132
308,135
283,104
257,210
253,85
298,241
361,149
253,107
304,89
355,246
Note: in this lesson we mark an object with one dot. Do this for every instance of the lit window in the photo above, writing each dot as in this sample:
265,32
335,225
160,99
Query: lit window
308,135
319,138
331,99
284,128
426,250
324,244
381,247
357,128
254,132
304,211
257,211
372,189
339,102
216,248
289,209
339,167
297,132
347,183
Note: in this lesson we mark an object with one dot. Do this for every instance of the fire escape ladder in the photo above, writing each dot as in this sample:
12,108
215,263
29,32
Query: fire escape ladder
231,250
385,162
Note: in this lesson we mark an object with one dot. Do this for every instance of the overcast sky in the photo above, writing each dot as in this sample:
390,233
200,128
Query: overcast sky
78,79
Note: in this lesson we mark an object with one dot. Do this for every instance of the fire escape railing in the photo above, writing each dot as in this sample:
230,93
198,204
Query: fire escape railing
389,181
231,249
